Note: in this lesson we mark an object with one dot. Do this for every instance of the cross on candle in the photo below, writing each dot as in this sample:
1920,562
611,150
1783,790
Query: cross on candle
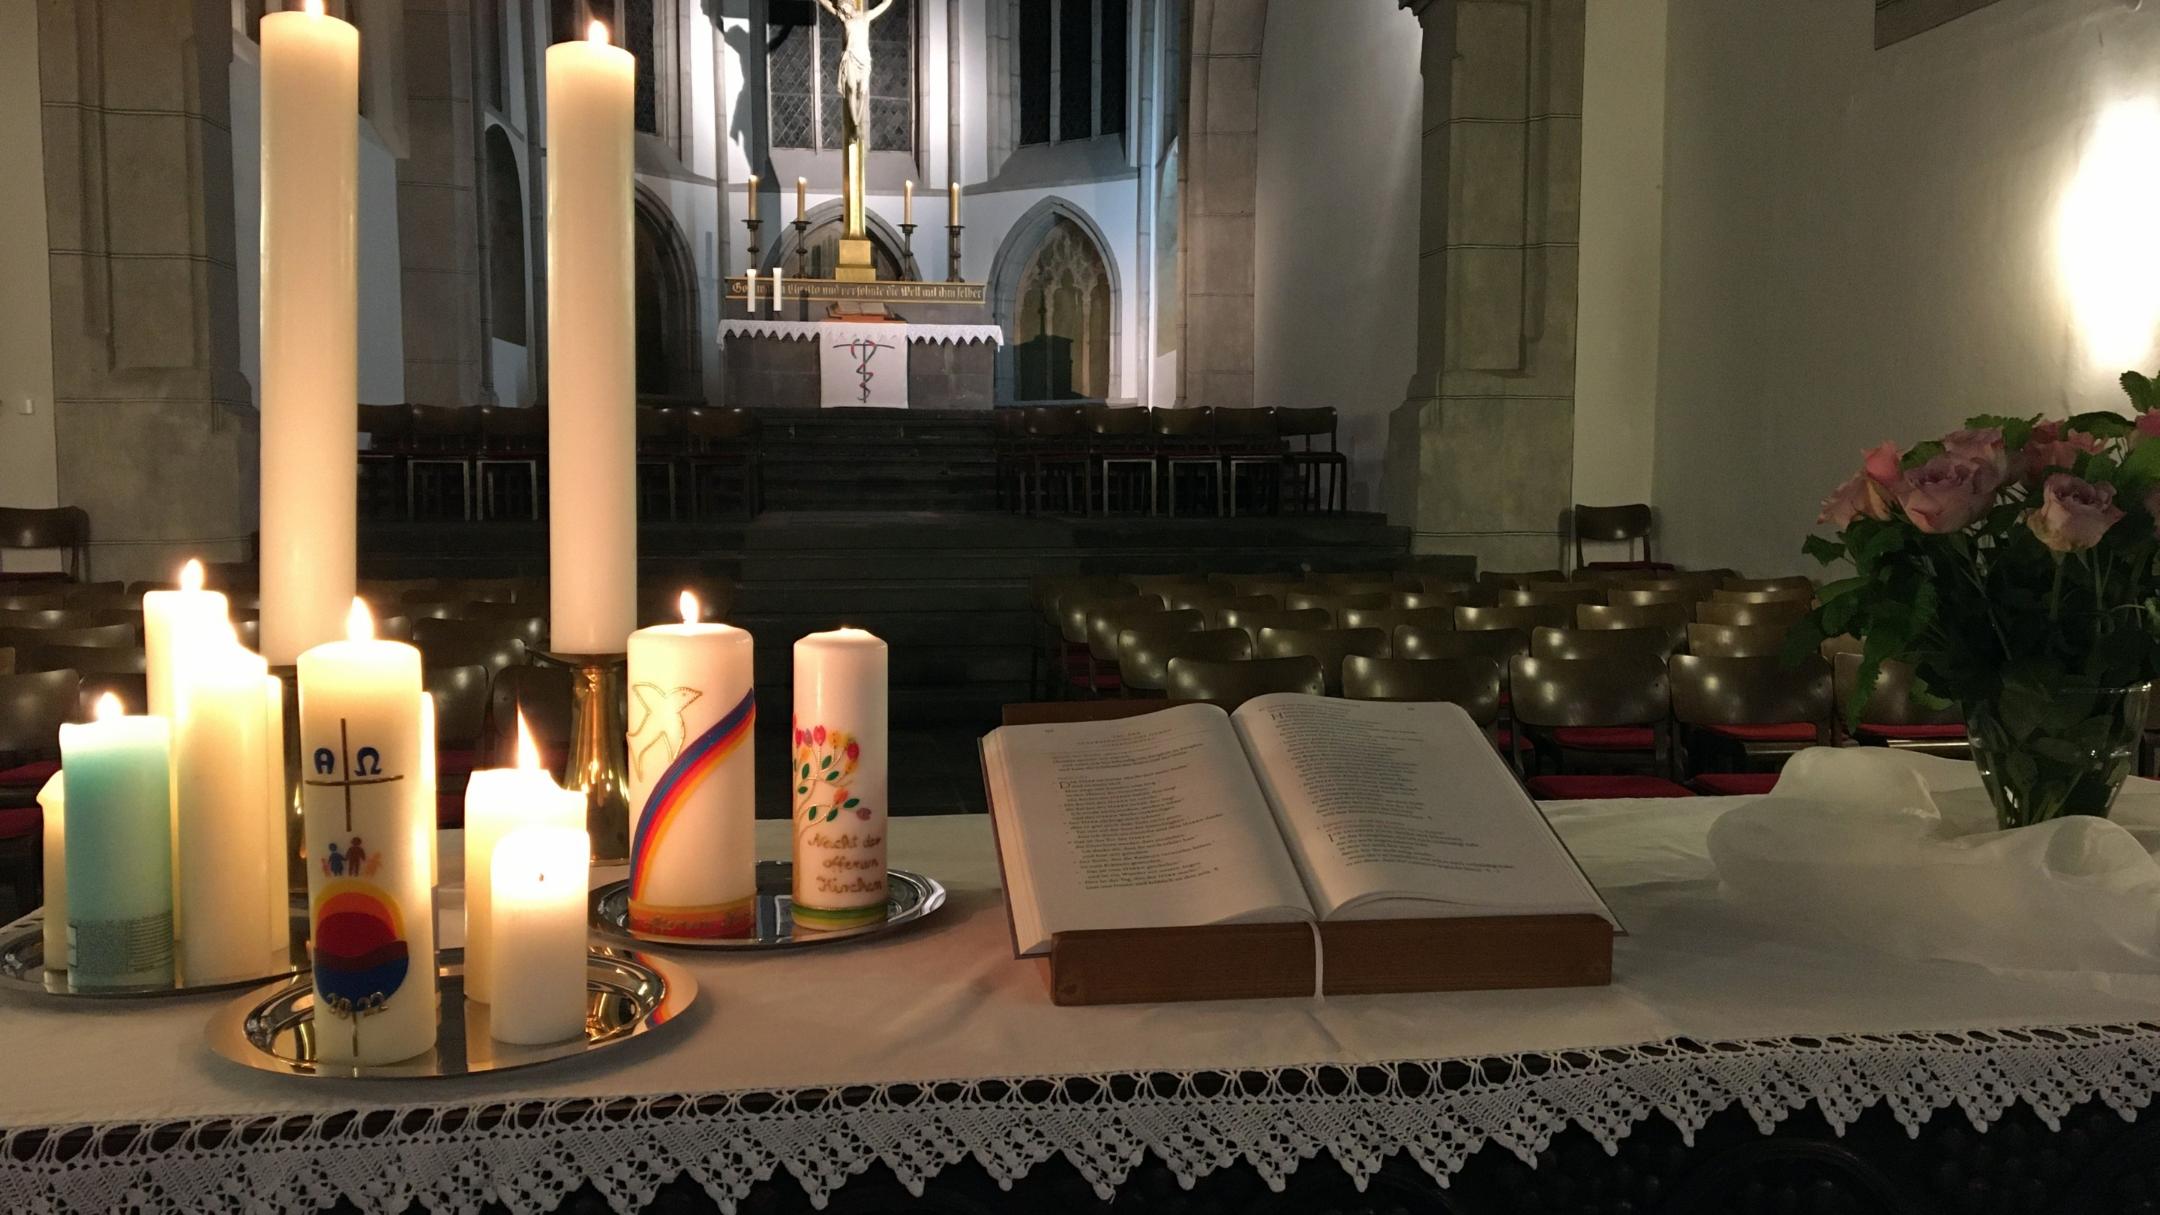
325,765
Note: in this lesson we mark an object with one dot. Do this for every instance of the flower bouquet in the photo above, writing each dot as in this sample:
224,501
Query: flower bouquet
2012,564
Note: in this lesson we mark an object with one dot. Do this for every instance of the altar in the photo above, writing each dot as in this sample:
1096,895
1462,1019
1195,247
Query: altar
861,362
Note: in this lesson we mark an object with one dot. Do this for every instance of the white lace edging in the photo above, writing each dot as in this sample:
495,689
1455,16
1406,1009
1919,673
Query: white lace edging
530,1155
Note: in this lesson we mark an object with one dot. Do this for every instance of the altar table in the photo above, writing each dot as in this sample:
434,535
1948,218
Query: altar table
936,1049
863,364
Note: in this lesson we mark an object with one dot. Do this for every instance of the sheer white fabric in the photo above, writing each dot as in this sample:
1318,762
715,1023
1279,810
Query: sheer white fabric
839,330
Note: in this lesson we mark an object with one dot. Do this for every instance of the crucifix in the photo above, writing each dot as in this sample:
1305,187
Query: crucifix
855,18
368,773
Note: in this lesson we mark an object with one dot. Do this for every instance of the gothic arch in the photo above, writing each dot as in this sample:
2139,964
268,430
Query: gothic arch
666,290
505,199
1010,266
884,236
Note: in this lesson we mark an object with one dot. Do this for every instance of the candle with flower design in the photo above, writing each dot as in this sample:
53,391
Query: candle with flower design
838,775
693,862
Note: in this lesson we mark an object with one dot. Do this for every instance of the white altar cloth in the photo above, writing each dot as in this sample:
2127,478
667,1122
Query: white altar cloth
1708,1008
862,363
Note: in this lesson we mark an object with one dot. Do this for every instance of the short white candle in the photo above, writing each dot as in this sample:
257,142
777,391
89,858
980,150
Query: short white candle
499,801
52,799
693,784
838,779
750,277
223,857
540,876
779,290
370,818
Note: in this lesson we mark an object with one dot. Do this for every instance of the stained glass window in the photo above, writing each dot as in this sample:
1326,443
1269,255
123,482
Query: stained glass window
802,79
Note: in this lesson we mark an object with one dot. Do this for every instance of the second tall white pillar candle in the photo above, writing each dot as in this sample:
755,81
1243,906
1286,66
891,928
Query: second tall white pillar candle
592,380
838,779
224,853
310,327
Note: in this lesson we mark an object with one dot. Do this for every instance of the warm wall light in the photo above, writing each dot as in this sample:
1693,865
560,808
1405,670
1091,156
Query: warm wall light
2107,244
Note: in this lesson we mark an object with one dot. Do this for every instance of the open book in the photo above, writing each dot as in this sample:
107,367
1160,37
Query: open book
1293,808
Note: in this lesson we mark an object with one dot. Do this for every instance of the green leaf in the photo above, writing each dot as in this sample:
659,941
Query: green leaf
2141,391
832,814
2100,424
806,770
801,789
2015,431
1825,551
1839,589
2140,467
826,762
1921,454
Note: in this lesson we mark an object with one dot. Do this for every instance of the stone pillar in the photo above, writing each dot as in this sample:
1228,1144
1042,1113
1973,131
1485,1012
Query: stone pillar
438,208
155,433
1221,161
1480,453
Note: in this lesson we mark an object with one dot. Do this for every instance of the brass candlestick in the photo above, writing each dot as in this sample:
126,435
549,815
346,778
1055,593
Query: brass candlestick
952,274
802,248
907,238
755,248
296,872
599,762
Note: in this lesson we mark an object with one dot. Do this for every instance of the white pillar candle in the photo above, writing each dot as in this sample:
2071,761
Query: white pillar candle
539,875
953,192
179,628
779,290
277,893
751,278
52,799
838,778
750,197
592,379
370,815
499,801
693,711
907,202
119,849
802,198
222,858
310,326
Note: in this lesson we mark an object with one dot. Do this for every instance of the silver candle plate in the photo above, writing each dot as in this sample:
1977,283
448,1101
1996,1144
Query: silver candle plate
627,995
909,898
22,966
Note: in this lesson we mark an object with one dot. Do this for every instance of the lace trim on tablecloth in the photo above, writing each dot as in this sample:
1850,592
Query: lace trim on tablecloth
530,1154
913,331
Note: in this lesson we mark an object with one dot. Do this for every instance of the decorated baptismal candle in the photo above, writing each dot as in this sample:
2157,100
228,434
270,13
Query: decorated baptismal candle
838,775
693,862
52,799
229,845
369,811
119,849
498,802
539,875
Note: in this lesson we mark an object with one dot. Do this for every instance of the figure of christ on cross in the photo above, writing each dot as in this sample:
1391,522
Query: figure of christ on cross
855,17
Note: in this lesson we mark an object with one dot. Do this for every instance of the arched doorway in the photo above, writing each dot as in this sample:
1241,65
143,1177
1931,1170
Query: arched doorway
667,304
506,240
820,245
1055,293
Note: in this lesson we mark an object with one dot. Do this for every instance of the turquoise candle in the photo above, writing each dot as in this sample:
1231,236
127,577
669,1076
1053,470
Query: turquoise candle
119,849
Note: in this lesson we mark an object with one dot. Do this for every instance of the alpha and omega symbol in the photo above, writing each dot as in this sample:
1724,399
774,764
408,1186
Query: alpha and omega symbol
360,768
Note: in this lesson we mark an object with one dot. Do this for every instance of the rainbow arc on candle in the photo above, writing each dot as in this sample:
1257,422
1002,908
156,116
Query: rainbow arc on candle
664,807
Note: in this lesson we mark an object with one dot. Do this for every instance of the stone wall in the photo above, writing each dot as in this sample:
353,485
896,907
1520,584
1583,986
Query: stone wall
1220,162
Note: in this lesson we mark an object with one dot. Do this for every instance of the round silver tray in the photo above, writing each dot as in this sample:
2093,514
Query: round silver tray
22,966
627,994
909,897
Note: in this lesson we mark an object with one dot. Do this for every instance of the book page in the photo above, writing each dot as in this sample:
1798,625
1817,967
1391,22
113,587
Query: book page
1405,810
1140,822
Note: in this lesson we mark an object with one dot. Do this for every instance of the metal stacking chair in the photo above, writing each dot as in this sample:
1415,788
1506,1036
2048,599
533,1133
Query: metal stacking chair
1231,684
1662,641
1632,616
1330,646
1737,715
1618,709
1782,614
1146,650
1892,716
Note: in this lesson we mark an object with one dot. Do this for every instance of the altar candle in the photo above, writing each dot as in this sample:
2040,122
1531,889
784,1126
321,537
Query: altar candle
540,876
779,290
953,203
277,893
838,776
369,812
499,801
310,326
222,855
119,849
693,711
52,799
751,278
750,196
592,380
179,628
802,198
907,202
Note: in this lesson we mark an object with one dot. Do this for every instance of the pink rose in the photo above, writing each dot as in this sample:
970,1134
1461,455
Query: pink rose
1947,494
1881,464
2146,427
2051,447
2073,514
1982,445
1857,496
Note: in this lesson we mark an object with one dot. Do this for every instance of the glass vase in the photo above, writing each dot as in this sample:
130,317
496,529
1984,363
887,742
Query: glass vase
2065,753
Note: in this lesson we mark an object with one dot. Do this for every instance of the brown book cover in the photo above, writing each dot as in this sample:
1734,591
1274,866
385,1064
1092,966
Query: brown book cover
1355,957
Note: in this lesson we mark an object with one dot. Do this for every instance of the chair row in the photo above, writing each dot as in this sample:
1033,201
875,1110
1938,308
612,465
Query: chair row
1067,452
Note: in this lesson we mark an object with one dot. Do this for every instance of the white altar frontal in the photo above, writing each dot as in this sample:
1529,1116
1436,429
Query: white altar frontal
862,364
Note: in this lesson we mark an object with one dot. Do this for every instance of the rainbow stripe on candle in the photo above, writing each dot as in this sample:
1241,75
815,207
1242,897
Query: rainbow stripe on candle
665,806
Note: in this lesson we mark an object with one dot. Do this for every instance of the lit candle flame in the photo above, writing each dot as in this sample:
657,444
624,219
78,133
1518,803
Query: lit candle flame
528,752
191,575
313,8
596,33
108,707
691,609
359,622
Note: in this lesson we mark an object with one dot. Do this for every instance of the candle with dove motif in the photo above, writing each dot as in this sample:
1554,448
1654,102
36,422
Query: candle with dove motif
838,779
693,862
369,810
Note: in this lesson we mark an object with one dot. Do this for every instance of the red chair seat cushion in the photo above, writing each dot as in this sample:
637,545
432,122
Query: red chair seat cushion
1660,566
1913,733
30,774
455,762
1588,788
449,810
1788,731
21,823
1606,738
1734,784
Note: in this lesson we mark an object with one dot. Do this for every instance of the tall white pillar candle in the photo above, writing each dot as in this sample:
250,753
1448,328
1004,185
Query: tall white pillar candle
52,799
540,875
179,628
693,711
277,893
499,801
750,197
838,778
370,815
310,327
907,201
221,854
592,380
953,204
119,849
